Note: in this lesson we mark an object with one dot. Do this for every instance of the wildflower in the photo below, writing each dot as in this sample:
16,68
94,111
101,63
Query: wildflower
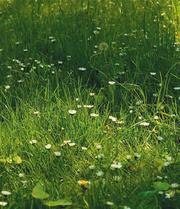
160,138
103,46
116,165
128,157
82,69
156,117
100,173
114,119
145,124
60,62
174,185
88,106
2,203
48,146
72,144
36,113
84,148
6,193
109,203
152,73
177,88
92,167
99,146
126,207
137,155
94,115
72,112
68,57
57,153
21,175
77,99
33,141
100,156
91,94
79,106
111,82
7,87
83,182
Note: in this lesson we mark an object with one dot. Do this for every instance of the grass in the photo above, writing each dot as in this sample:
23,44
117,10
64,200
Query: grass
89,100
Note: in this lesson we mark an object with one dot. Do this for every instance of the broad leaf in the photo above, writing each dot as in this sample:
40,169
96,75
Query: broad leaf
161,186
38,192
147,194
62,202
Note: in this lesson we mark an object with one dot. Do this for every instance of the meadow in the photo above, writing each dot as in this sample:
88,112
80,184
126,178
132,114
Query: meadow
89,104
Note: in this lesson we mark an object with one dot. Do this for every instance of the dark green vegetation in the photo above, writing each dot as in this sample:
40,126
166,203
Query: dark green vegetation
89,95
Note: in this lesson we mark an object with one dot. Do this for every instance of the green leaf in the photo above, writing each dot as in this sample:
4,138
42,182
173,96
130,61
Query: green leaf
161,186
38,192
62,202
147,194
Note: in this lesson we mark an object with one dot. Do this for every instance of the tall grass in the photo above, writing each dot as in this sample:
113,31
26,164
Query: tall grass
89,103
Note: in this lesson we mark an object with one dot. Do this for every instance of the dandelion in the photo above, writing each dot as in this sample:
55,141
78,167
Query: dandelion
103,46
2,203
111,82
100,173
48,146
94,115
83,182
6,193
72,112
57,153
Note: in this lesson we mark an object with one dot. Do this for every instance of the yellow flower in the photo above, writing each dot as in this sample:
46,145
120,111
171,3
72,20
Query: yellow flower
83,182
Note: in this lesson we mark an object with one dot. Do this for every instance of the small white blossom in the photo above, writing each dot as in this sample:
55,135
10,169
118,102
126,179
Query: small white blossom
100,173
94,115
116,166
2,203
57,153
33,141
48,146
6,193
111,82
72,112
145,124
